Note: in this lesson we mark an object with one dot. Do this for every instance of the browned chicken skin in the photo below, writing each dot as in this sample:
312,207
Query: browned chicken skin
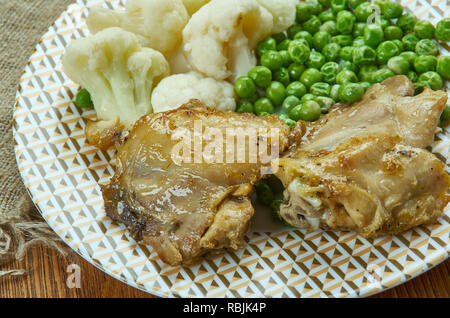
185,210
362,168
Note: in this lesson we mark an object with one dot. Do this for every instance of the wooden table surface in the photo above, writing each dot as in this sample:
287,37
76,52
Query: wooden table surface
47,276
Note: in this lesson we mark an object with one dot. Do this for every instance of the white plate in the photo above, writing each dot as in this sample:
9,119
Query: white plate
62,173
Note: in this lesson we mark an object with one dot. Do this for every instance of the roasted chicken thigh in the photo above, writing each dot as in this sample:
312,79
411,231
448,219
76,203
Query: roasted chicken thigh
185,209
363,167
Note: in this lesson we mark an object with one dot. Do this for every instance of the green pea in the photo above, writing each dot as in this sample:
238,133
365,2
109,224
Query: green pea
427,47
385,51
342,40
433,79
329,72
425,63
353,4
289,103
345,21
83,99
398,65
268,44
326,15
347,65
419,87
272,60
244,106
443,66
299,51
406,22
351,92
279,37
244,87
254,98
275,184
325,103
308,97
330,27
412,76
311,76
320,89
261,76
293,30
393,32
276,93
334,92
303,12
316,60
283,45
373,35
310,111
325,3
365,85
282,76
331,51
295,114
364,55
363,11
358,29
291,123
410,56
264,194
346,53
312,25
381,74
424,29
285,57
391,9
315,5
379,2
443,30
320,39
445,116
366,72
338,5
306,36
410,41
384,22
263,105
307,111
399,44
346,76
295,71
264,114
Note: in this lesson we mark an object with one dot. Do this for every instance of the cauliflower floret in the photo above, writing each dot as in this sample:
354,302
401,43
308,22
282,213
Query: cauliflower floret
283,13
178,63
193,6
158,24
219,39
176,90
118,73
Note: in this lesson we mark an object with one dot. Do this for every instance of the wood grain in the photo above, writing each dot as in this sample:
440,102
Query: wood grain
47,275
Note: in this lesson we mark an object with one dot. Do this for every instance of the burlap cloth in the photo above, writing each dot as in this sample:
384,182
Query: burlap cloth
22,23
